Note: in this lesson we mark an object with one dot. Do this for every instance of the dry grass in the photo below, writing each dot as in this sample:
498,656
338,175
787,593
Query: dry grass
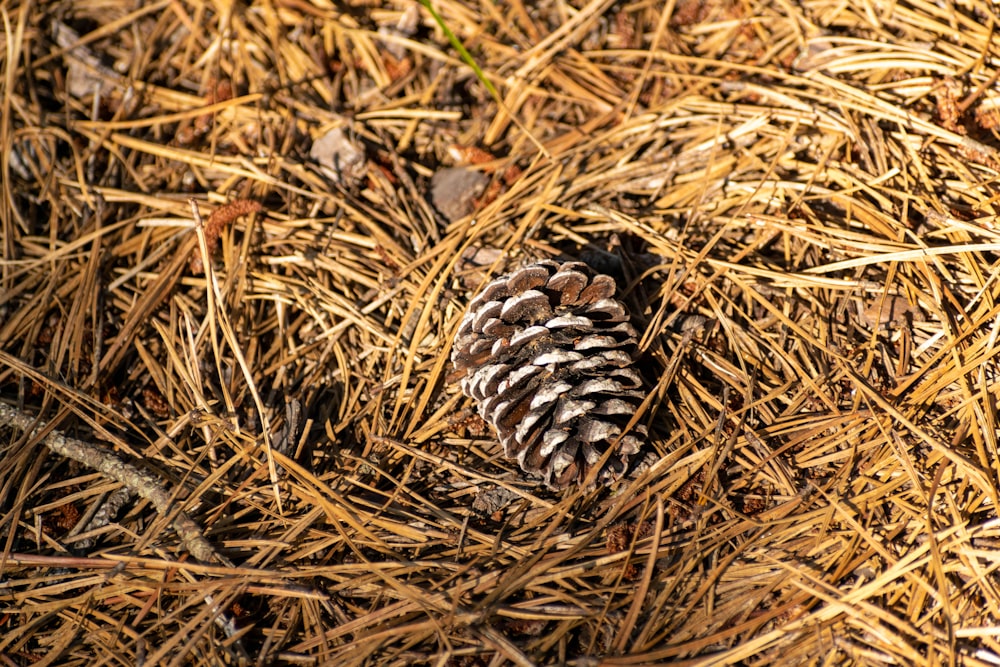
798,197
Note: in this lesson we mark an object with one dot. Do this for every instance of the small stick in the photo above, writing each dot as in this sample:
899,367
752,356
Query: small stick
140,482
106,462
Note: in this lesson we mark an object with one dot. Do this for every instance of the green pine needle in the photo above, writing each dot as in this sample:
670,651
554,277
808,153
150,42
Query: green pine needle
463,52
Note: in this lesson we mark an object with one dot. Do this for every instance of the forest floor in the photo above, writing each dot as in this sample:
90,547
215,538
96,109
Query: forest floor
237,242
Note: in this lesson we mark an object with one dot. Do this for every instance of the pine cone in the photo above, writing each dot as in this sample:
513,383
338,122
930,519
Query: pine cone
547,353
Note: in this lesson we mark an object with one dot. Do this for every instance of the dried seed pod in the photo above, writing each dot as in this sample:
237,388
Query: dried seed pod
547,352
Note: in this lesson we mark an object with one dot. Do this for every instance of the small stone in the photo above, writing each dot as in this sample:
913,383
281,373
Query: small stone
454,191
342,160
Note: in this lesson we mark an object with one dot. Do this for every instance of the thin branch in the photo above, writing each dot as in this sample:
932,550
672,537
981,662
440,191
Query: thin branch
107,463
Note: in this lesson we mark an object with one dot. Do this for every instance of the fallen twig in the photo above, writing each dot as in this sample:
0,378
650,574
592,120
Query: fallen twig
140,481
